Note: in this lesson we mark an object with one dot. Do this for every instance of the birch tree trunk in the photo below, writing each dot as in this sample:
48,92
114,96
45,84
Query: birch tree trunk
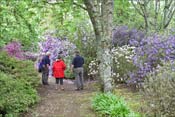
101,15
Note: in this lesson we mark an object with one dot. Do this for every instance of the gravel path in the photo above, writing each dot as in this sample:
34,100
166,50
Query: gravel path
67,103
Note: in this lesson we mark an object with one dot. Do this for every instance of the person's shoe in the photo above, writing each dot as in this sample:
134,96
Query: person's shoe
46,83
62,88
77,89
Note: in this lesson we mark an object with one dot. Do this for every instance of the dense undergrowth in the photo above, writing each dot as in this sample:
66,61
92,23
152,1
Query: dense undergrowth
18,82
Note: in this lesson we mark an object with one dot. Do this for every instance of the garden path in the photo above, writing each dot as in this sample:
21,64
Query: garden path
67,103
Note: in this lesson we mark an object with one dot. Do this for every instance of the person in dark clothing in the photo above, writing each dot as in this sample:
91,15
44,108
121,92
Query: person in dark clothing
77,68
45,70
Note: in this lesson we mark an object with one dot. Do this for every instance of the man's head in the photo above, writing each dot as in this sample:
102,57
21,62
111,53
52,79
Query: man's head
77,52
59,57
48,53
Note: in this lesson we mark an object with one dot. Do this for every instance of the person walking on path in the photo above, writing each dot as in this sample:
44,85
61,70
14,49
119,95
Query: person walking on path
58,69
77,68
45,69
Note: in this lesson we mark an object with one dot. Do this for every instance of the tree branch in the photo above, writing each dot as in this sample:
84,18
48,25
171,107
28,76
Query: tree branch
171,16
79,5
136,8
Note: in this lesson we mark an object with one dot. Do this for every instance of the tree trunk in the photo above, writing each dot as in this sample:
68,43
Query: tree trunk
101,15
106,44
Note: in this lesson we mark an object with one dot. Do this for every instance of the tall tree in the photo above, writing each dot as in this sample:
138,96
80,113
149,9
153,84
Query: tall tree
157,14
101,16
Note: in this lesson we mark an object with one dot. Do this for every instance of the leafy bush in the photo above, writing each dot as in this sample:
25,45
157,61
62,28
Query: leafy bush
111,106
23,70
159,91
16,96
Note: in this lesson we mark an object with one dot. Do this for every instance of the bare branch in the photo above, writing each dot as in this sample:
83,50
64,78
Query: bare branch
171,16
79,5
136,8
168,13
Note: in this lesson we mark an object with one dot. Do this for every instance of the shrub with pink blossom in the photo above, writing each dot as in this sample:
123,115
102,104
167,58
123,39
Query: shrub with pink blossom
14,49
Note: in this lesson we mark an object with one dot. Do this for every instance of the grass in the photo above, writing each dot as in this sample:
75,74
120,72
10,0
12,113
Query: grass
134,99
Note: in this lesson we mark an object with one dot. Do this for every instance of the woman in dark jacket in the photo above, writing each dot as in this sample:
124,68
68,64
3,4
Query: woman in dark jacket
58,71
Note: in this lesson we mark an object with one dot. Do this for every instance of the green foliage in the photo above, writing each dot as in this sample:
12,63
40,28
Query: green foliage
112,106
68,73
17,82
19,21
16,96
23,70
125,14
159,91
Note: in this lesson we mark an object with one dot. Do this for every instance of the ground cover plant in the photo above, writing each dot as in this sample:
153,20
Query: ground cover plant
112,106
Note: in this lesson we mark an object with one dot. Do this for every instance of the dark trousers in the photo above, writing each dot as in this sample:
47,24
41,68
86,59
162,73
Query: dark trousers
59,81
45,75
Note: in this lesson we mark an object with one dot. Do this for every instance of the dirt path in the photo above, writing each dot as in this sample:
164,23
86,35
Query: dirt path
67,103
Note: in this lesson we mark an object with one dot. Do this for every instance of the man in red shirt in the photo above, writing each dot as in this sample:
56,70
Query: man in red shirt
58,71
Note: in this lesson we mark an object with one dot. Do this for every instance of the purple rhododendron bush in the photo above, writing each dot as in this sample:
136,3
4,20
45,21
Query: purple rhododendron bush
149,53
136,54
56,46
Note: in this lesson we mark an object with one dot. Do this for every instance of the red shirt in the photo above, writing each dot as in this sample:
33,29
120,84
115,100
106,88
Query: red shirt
58,69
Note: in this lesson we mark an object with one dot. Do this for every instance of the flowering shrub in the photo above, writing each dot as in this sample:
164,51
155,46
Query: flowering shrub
122,63
14,49
58,46
55,46
159,91
93,68
149,54
122,35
